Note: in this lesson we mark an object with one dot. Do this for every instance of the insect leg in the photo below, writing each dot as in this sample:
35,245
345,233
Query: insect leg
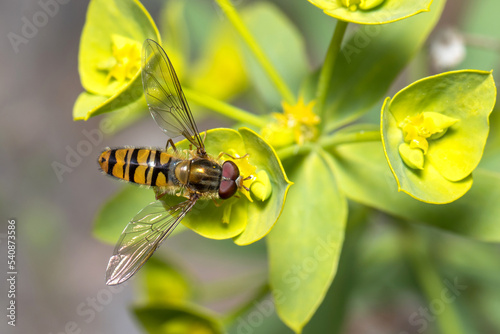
229,155
159,193
171,143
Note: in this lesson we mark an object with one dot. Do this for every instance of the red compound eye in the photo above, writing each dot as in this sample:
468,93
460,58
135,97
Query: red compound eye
230,174
227,189
230,170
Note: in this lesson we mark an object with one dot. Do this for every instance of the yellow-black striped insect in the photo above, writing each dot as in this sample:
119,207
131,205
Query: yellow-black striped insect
193,174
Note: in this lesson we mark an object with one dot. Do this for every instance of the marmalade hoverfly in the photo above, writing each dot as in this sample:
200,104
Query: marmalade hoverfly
195,176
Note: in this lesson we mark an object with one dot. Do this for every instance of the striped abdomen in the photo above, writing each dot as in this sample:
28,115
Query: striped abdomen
160,169
139,165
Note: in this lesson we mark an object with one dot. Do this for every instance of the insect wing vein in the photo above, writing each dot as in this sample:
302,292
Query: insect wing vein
164,95
142,236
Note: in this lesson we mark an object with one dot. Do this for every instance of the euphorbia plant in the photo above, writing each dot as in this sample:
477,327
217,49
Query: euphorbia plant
309,129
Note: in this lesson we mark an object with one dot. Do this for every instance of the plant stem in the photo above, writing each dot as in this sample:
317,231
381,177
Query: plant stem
329,66
349,137
271,71
224,108
326,142
261,293
417,251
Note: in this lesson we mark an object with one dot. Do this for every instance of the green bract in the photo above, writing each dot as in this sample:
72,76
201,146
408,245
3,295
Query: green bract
372,11
178,319
434,133
239,218
304,248
178,291
110,56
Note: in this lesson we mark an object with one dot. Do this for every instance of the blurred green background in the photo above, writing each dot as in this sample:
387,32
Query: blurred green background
61,266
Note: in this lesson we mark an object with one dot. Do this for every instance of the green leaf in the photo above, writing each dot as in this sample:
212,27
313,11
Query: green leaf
110,25
163,284
283,45
89,105
304,247
467,98
119,210
372,11
84,103
172,319
365,177
370,61
249,221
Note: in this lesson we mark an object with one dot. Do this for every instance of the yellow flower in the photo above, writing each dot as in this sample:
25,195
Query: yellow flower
296,124
417,130
247,171
262,188
362,4
126,59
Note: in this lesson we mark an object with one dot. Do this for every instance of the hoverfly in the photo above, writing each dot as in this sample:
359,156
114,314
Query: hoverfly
196,176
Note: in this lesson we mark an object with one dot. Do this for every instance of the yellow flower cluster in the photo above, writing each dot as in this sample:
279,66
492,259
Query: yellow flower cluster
296,124
417,130
126,60
361,4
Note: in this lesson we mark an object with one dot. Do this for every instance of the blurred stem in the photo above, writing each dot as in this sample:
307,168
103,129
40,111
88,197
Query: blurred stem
428,278
327,142
224,108
218,290
329,66
261,293
419,67
482,42
233,16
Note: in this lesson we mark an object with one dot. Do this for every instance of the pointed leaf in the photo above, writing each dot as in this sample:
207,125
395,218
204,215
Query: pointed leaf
304,246
118,210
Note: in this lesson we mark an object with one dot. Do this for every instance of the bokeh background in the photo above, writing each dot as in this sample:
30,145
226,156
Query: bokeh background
60,265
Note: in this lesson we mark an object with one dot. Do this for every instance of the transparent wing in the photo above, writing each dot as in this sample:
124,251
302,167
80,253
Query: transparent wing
142,236
164,95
